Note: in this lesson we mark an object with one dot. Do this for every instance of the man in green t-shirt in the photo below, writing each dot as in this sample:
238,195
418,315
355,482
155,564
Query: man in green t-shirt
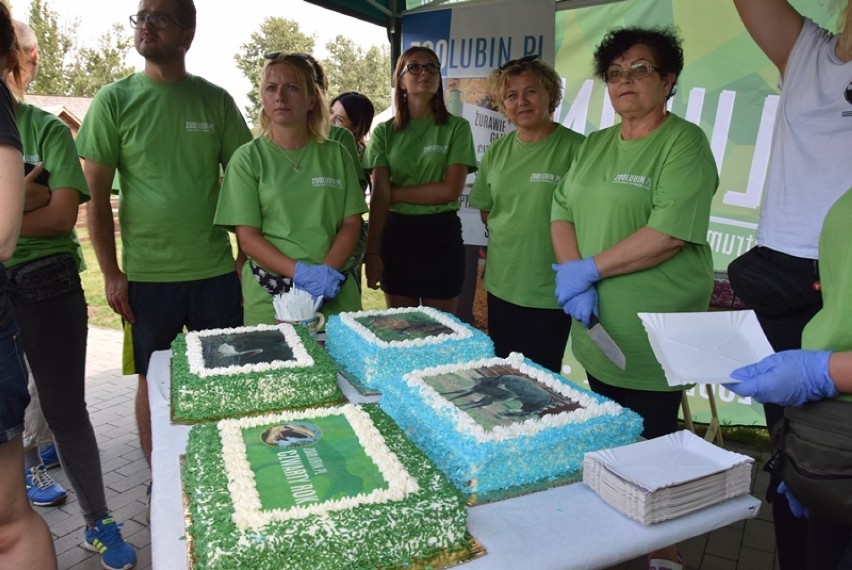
167,134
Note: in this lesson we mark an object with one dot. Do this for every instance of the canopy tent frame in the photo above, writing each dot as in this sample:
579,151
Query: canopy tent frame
389,13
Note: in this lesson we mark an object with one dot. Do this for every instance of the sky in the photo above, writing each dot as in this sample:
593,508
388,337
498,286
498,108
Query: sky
222,28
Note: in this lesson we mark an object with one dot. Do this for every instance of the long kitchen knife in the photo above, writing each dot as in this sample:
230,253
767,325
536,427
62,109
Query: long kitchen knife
604,342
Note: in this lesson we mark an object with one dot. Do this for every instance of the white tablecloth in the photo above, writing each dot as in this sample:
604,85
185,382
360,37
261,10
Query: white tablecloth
563,528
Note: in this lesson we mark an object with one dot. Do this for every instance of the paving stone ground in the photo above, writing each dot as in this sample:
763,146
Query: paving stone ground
747,545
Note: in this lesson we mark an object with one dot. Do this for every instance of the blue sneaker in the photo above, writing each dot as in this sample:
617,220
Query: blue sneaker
42,490
49,456
105,538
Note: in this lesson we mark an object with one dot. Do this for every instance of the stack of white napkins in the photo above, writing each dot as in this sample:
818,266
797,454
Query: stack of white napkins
667,477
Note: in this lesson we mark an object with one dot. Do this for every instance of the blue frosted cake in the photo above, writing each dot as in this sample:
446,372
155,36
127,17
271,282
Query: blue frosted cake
373,346
498,423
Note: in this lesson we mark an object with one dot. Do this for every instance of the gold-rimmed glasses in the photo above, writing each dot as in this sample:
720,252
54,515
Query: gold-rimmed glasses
638,70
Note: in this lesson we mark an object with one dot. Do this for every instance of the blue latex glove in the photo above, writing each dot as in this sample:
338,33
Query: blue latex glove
574,277
796,507
582,306
788,378
318,280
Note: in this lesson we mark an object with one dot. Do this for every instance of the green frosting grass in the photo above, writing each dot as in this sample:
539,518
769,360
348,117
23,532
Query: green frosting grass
391,535
197,399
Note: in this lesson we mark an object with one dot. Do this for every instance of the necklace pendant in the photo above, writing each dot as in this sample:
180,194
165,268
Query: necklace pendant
297,168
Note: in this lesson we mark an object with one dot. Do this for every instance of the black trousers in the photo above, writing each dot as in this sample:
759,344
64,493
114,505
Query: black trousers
658,409
540,334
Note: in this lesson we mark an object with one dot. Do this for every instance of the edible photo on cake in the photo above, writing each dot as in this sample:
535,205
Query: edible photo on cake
404,326
236,350
500,395
312,462
373,347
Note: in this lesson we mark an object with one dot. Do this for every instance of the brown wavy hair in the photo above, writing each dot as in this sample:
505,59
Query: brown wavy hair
439,107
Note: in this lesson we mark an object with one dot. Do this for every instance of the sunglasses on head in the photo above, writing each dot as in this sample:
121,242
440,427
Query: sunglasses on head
285,56
521,61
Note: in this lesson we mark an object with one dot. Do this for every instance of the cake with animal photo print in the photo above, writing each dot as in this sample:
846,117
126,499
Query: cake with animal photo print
226,373
496,424
337,487
372,347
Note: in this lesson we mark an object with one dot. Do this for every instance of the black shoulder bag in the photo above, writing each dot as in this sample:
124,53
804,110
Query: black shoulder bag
816,463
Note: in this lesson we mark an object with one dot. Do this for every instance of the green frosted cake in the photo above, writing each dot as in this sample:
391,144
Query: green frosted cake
226,373
337,487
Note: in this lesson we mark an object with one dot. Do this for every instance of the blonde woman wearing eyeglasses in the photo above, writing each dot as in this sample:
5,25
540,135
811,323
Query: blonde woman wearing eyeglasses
292,197
514,191
629,227
419,162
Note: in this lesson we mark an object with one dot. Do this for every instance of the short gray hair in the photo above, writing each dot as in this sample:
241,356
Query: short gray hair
27,40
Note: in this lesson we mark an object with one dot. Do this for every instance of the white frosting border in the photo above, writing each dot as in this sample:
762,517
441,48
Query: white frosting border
466,425
460,332
246,498
301,358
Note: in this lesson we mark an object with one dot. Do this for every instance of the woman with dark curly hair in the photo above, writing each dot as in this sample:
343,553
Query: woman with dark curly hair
419,162
514,191
629,228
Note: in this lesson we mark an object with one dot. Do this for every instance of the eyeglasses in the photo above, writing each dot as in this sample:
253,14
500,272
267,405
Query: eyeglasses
638,70
521,61
417,68
157,21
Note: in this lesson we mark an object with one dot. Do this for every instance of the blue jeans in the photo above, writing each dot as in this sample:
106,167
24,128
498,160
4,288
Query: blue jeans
14,396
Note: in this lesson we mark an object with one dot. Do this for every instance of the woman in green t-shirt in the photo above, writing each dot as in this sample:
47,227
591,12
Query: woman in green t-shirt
514,191
419,162
629,227
821,370
292,197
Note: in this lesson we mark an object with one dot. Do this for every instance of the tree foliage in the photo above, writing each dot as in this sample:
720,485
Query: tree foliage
275,34
54,43
66,68
348,67
351,68
95,67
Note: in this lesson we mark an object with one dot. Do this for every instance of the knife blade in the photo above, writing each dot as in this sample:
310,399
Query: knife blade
604,342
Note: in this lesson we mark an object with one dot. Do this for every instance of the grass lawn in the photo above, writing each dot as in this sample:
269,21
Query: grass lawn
100,315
